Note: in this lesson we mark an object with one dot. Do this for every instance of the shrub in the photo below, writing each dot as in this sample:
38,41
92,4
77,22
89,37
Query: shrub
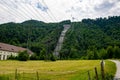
11,57
52,57
23,56
34,57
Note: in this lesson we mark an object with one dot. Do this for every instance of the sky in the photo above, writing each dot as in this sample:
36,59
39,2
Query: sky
56,10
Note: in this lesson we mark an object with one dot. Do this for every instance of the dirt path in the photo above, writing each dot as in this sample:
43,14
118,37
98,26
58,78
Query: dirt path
117,75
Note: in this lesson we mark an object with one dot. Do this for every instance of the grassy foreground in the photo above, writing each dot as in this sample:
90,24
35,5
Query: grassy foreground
59,70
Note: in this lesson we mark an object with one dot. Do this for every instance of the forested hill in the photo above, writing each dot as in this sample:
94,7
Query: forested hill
93,39
41,37
89,39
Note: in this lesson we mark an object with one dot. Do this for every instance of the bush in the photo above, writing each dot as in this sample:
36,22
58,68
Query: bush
11,57
34,57
23,56
52,57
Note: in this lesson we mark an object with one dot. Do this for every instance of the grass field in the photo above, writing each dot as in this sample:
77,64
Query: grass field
59,70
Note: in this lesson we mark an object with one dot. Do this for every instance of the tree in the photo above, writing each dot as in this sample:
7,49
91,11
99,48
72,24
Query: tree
38,33
110,52
34,57
11,57
103,54
64,54
42,54
90,54
23,56
116,52
100,33
52,57
73,53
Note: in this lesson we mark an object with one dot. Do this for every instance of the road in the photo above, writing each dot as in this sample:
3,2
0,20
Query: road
117,75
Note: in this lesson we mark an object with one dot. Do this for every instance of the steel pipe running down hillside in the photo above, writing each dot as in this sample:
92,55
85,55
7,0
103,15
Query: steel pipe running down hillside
60,41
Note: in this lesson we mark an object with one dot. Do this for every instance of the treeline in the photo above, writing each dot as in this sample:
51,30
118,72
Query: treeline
38,36
89,39
93,39
104,53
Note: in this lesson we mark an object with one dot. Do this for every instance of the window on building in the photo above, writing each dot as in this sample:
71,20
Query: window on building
12,49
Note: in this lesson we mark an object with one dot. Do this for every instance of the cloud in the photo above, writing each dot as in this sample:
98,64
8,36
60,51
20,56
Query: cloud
21,10
94,8
104,6
41,7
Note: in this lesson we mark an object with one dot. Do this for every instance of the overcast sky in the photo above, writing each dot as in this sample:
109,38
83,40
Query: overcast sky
56,10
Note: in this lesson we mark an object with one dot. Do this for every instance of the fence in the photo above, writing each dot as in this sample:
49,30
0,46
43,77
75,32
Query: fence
35,75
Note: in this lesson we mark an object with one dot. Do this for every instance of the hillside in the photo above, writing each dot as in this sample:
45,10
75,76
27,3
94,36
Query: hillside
38,36
89,39
93,39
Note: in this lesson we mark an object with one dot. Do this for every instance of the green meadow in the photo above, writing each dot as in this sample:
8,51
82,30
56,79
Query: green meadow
58,70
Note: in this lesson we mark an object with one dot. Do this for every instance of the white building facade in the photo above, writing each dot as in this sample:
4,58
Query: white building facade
4,55
6,50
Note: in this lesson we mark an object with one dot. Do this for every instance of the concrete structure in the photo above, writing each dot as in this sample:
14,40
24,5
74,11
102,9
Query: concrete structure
7,50
60,41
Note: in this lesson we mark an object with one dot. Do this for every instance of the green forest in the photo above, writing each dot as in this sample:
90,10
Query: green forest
89,39
93,39
39,37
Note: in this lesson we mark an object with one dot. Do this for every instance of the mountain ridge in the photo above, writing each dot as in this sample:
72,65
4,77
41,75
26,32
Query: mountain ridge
88,39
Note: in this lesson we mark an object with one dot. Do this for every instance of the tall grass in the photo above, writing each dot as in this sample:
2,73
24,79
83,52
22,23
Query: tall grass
59,70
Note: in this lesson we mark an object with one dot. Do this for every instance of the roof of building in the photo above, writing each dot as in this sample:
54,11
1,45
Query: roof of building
12,48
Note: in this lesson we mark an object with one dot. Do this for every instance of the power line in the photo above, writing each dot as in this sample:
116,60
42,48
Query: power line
13,8
38,13
28,11
16,16
49,10
24,10
19,11
33,11
25,14
3,18
10,11
48,13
